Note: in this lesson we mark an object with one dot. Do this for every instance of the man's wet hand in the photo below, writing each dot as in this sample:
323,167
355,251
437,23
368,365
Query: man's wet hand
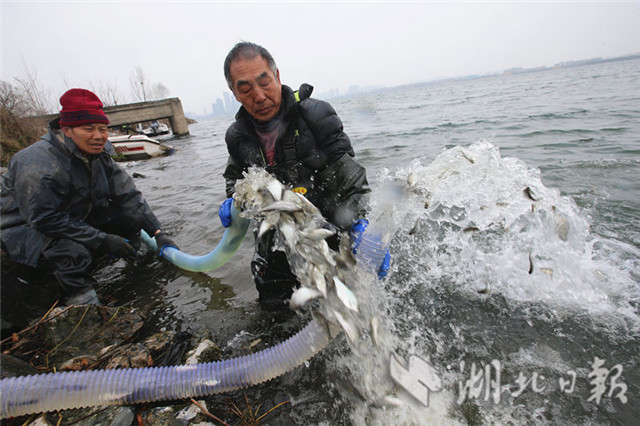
163,241
117,246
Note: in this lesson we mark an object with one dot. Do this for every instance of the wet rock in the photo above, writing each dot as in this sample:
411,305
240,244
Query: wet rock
132,355
206,351
159,342
13,367
91,416
112,416
192,413
76,331
176,416
41,421
82,362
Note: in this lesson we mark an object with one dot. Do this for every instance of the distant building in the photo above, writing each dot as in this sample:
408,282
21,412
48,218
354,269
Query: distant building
231,106
217,108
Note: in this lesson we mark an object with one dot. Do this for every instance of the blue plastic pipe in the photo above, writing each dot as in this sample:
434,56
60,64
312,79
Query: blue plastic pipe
227,246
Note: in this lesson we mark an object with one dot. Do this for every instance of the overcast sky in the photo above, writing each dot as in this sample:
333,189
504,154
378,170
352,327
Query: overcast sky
327,44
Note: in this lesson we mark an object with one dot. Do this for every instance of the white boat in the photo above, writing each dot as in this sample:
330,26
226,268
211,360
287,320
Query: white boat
159,129
155,129
138,147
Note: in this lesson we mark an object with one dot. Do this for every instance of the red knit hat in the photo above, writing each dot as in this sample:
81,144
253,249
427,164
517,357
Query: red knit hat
80,106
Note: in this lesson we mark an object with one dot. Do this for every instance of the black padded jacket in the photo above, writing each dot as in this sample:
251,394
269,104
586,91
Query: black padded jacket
313,156
53,191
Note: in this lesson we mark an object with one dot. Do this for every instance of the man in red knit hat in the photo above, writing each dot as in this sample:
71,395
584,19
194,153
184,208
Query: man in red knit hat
65,201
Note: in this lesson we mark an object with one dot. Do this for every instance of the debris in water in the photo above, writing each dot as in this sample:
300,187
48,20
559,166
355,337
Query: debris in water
562,226
547,271
466,155
416,228
529,194
530,265
485,290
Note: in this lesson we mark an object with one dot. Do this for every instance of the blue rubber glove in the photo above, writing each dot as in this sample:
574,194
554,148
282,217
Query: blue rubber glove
386,264
357,231
225,212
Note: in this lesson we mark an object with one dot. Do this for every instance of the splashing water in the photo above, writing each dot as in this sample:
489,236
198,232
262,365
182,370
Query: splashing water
489,225
496,282
490,267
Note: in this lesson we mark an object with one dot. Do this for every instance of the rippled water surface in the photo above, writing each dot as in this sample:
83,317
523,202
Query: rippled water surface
524,265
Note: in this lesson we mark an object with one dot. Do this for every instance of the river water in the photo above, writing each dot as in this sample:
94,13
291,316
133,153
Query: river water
516,253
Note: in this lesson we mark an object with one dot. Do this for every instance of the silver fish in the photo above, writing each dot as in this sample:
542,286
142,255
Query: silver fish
348,328
270,220
466,154
317,233
307,205
416,228
275,189
301,296
288,231
318,279
345,295
281,206
374,331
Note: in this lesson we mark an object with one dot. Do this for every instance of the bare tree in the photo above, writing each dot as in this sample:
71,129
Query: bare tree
16,132
11,100
143,89
138,81
109,93
158,91
36,96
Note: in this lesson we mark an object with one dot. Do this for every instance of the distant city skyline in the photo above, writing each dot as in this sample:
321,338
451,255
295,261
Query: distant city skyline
229,106
331,45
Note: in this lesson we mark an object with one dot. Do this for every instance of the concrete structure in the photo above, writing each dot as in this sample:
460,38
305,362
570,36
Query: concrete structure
131,114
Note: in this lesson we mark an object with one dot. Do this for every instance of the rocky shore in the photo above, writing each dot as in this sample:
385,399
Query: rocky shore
100,337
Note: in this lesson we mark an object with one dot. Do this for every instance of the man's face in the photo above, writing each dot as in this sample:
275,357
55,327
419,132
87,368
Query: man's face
89,138
256,87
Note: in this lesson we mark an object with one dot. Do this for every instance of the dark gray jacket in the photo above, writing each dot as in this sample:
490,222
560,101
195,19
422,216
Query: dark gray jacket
52,191
312,152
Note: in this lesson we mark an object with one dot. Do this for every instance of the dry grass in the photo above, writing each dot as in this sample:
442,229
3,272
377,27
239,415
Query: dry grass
16,133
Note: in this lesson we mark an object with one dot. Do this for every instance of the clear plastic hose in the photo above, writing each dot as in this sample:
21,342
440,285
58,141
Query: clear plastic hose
60,391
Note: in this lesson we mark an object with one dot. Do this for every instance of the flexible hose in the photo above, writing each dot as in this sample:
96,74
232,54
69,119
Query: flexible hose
227,246
60,391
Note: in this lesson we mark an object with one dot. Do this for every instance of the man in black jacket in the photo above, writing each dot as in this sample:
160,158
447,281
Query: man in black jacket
301,141
64,201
